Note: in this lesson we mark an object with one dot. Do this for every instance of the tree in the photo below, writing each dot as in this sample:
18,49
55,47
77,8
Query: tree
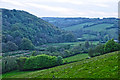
106,38
100,49
51,49
91,52
87,44
111,46
26,44
9,38
59,60
9,64
4,47
34,53
20,62
11,46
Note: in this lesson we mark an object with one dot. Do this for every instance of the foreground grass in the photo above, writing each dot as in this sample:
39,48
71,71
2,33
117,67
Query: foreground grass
77,57
104,66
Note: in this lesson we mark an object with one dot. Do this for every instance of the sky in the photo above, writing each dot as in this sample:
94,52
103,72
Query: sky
65,8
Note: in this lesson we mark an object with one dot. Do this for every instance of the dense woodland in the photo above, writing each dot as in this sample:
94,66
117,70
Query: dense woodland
20,26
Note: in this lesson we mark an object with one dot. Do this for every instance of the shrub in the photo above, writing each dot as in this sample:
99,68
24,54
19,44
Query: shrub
66,53
91,52
59,60
21,62
38,62
9,64
34,53
111,46
87,44
100,49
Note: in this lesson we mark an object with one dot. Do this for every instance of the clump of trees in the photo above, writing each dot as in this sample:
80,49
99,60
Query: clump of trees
20,28
9,46
10,63
69,50
25,44
38,62
109,46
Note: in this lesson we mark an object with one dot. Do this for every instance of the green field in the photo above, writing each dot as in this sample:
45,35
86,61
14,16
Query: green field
88,36
95,28
76,27
99,27
77,57
104,66
68,43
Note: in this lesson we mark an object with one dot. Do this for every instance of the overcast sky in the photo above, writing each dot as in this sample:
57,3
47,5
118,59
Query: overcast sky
65,8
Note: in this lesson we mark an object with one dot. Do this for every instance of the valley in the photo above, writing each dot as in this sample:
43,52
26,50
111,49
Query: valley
58,47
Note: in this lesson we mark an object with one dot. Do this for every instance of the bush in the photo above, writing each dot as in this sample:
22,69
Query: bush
34,53
111,46
38,62
91,52
100,49
21,62
9,64
59,60
66,53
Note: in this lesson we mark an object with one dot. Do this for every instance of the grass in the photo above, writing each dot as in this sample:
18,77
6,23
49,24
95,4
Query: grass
76,27
95,28
99,27
104,66
88,36
68,43
77,57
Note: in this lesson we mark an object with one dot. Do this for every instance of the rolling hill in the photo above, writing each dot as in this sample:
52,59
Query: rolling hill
101,29
104,66
18,24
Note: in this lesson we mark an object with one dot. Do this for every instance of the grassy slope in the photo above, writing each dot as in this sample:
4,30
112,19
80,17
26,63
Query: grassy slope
104,66
96,28
77,57
78,26
99,27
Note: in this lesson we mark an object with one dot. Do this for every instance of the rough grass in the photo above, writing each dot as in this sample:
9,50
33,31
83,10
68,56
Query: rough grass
104,66
77,57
